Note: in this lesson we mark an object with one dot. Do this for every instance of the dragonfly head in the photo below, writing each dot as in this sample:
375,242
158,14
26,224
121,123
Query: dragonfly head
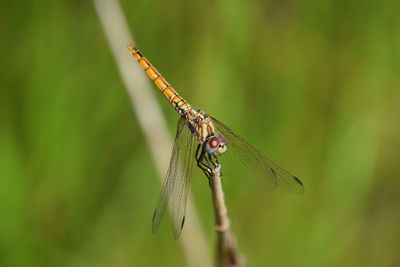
216,145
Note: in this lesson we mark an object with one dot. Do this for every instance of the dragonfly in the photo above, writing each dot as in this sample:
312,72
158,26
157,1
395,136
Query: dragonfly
203,140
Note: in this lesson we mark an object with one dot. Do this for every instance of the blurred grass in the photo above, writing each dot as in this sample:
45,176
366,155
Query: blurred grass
313,84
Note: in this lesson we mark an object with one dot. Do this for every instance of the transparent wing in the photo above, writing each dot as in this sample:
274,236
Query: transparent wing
177,180
262,172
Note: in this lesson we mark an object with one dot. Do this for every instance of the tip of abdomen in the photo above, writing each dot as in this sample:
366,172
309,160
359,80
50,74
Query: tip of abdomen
132,47
135,52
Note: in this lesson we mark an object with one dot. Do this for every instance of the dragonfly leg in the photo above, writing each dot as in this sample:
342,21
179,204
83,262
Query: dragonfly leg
208,161
197,151
206,172
199,158
211,159
216,160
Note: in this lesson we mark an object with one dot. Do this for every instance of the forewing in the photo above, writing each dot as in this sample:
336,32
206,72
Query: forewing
262,171
177,181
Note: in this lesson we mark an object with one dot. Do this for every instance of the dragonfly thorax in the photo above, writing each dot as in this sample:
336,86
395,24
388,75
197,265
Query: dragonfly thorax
200,124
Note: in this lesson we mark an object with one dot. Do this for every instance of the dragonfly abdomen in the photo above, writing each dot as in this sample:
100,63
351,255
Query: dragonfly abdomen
180,104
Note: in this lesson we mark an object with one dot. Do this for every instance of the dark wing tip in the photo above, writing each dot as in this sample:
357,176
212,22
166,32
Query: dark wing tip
298,180
183,221
177,232
272,172
154,226
154,215
300,187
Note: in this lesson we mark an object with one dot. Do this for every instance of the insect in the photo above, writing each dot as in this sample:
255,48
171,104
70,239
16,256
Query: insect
203,140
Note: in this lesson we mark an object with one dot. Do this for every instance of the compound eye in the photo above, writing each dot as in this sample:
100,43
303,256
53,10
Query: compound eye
222,139
213,142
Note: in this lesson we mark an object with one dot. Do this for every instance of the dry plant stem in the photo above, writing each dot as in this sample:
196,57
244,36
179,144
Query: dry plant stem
227,253
151,120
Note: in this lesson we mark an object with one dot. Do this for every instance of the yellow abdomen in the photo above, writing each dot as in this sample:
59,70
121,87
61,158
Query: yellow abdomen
181,105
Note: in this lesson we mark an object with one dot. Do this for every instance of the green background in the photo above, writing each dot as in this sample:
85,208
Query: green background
313,84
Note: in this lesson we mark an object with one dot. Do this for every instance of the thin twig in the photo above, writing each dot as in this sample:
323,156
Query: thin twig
151,120
227,253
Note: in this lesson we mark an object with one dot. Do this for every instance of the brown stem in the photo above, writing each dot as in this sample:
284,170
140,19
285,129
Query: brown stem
227,253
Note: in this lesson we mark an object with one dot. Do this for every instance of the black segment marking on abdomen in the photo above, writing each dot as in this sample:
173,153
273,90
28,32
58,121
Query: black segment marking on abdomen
137,52
172,101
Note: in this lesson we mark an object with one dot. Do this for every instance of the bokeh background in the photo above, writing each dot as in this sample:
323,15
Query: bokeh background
313,84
